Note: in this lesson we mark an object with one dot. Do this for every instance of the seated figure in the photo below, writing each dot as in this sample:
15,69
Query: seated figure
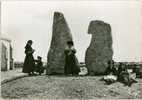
111,69
110,73
125,76
39,65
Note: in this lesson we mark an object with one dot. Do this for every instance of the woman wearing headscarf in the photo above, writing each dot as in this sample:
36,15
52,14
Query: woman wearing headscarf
71,62
29,62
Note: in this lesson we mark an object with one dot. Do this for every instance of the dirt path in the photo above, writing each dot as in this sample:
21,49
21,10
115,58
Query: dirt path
57,87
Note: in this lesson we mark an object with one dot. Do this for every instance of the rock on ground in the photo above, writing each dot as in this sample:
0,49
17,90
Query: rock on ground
60,35
100,50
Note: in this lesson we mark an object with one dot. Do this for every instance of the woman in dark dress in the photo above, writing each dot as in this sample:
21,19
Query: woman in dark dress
71,62
29,63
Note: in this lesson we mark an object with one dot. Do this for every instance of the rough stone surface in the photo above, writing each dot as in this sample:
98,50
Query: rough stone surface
100,50
60,35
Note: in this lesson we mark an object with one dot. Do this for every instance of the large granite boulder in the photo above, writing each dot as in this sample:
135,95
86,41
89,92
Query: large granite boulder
60,35
100,50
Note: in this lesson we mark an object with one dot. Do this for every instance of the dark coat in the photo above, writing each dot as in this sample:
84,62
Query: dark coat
29,63
39,66
71,66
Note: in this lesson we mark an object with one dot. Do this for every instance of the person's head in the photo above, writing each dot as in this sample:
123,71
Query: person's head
39,58
120,64
70,43
110,63
30,42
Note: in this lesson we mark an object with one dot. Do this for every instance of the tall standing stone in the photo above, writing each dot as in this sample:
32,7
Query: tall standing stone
100,50
60,35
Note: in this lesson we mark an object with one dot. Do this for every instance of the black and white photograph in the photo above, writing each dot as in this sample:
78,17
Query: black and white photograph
71,49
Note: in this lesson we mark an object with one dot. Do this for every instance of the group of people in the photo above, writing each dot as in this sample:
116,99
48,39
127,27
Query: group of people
71,67
32,66
120,73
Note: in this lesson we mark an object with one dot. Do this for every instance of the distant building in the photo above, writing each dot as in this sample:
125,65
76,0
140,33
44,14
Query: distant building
6,54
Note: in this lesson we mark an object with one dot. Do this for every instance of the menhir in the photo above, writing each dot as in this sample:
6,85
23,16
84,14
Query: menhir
60,35
100,50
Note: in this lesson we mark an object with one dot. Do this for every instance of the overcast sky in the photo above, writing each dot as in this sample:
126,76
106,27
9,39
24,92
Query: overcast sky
26,20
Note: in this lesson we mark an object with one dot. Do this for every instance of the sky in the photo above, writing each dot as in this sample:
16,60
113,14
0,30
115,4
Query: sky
24,20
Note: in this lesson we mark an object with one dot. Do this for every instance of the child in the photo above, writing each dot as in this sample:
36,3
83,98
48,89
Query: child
39,65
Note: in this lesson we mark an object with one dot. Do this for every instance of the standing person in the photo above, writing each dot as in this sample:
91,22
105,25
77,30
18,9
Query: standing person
71,62
29,63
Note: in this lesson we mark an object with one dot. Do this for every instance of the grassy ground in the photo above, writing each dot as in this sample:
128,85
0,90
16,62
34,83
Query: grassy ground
57,87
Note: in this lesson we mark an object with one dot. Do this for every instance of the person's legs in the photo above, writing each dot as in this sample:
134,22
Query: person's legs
131,81
65,70
33,71
40,71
